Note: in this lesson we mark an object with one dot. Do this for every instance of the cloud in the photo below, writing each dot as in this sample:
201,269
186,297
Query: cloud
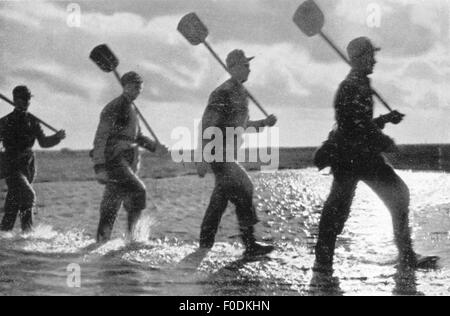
404,27
423,71
56,78
292,75
32,14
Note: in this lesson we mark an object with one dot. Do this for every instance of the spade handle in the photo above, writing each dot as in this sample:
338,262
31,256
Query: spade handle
342,55
226,68
38,119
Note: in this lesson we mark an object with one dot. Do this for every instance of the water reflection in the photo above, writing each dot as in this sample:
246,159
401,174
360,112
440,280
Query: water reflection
406,282
289,205
235,279
120,277
325,284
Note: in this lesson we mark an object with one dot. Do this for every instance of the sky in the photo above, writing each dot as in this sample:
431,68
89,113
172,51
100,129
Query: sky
46,44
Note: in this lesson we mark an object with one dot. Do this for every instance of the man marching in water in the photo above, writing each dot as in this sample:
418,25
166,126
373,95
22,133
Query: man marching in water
228,108
18,132
116,158
359,144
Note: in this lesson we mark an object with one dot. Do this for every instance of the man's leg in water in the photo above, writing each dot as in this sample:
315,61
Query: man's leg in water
395,195
110,206
334,216
20,198
11,210
216,209
26,207
125,187
135,200
240,193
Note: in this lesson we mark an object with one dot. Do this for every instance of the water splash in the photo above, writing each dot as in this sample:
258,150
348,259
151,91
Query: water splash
44,239
143,229
289,205
7,235
111,246
41,232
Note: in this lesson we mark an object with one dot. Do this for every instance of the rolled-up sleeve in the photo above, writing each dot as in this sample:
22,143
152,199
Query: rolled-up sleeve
48,141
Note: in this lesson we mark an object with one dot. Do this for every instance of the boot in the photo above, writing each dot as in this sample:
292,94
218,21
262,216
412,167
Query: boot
253,248
411,260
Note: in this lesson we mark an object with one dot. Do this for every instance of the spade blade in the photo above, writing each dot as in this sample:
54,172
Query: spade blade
104,58
193,29
309,18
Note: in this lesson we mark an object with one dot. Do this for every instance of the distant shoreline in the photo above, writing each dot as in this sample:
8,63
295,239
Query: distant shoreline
75,165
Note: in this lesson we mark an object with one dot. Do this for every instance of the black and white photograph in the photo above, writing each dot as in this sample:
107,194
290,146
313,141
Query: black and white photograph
224,153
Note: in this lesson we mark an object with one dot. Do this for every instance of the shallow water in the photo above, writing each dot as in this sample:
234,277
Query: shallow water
158,259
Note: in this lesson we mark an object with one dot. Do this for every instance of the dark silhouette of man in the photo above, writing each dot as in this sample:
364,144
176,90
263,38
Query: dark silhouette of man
116,158
19,132
360,145
228,107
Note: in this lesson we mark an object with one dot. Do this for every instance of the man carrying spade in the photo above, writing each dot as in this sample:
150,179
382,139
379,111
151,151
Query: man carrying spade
116,158
358,156
228,108
18,132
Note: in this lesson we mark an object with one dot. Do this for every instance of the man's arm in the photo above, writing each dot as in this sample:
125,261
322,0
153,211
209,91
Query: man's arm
212,118
380,122
145,142
215,113
107,119
258,125
47,141
354,116
393,117
270,121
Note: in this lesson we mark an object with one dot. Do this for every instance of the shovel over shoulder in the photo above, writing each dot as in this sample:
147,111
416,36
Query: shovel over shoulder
196,33
310,19
4,98
105,59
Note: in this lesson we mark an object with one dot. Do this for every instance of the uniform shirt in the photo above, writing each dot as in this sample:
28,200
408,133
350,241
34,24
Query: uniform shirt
117,131
19,132
359,136
354,107
228,107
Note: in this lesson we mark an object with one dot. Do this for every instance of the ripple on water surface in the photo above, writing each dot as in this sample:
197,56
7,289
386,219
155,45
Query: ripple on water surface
161,258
